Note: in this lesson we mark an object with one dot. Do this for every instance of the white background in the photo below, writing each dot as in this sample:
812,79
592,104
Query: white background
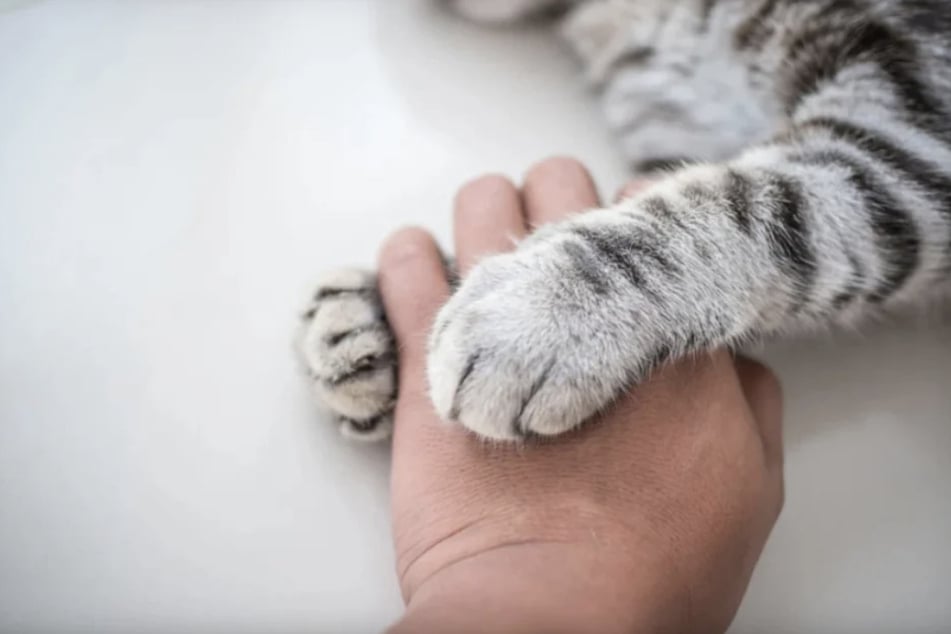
171,176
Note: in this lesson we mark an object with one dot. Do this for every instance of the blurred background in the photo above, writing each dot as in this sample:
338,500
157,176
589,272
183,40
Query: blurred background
172,176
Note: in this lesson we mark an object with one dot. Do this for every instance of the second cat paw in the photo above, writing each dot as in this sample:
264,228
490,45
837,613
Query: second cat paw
347,350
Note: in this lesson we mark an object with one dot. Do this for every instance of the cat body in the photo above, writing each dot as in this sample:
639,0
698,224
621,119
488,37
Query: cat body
816,191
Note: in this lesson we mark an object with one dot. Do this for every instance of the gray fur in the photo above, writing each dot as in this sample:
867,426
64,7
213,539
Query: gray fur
820,193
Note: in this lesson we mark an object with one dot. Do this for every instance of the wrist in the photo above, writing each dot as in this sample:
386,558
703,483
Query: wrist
547,587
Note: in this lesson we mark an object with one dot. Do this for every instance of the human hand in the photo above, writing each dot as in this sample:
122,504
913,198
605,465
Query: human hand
650,519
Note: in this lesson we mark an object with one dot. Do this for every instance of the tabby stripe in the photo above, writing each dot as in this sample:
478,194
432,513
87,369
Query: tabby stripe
324,294
637,56
327,293
691,342
788,234
926,16
696,192
706,10
660,209
914,169
846,297
452,271
518,426
753,33
622,254
895,231
643,245
739,200
588,267
615,253
339,337
841,10
897,57
363,368
466,373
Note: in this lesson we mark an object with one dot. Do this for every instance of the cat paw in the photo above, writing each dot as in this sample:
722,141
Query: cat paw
347,350
537,341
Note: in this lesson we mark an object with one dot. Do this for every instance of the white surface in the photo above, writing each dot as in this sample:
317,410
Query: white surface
171,174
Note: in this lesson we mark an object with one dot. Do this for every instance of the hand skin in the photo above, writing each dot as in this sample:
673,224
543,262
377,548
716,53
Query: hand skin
649,519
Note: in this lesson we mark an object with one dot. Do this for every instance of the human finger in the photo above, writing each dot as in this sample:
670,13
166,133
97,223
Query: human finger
556,188
488,219
413,286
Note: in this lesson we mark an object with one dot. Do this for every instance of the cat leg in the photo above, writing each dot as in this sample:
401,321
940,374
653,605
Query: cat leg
790,237
845,214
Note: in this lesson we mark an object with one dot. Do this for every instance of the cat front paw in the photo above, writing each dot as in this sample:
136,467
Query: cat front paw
537,341
346,349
